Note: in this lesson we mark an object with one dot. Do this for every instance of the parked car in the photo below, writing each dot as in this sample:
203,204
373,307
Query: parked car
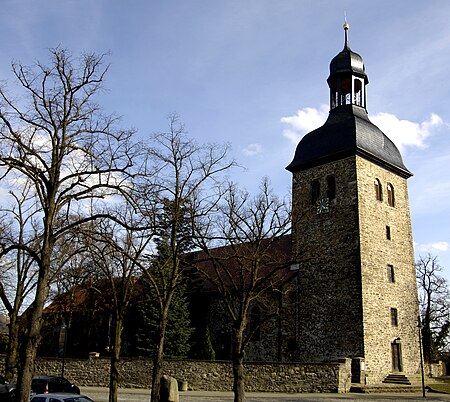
60,398
46,384
7,390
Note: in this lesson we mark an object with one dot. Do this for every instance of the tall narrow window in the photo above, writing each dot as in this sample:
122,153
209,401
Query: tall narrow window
390,194
390,273
331,188
358,95
255,323
388,232
378,190
394,317
315,191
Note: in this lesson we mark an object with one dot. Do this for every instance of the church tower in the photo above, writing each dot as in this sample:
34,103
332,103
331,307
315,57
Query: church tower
352,239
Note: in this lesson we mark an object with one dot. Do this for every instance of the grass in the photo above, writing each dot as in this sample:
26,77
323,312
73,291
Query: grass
441,387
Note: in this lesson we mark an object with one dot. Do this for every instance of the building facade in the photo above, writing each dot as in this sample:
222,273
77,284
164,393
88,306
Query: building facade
352,239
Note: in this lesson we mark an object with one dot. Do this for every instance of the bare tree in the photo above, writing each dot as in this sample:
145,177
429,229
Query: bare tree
18,275
117,252
249,266
184,177
57,138
434,302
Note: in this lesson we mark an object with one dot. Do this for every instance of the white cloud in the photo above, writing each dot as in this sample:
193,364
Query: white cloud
433,247
404,132
304,121
252,150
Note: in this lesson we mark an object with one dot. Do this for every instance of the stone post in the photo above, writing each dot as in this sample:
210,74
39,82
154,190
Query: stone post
169,389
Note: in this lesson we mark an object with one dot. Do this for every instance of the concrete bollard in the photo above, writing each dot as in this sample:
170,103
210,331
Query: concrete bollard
183,385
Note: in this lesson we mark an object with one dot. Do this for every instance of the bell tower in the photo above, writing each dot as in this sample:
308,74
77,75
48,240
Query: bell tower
352,238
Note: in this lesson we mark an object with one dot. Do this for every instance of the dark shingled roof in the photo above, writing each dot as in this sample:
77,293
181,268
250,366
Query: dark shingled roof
347,132
348,61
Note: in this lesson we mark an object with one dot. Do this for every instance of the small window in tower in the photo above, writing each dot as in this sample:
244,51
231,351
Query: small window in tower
390,273
315,191
357,96
334,96
394,317
388,232
331,188
346,91
378,190
390,195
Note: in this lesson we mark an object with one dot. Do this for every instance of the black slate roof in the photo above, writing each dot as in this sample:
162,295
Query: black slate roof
348,61
347,132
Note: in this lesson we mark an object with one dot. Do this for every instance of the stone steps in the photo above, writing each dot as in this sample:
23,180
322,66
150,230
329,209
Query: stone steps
385,388
397,378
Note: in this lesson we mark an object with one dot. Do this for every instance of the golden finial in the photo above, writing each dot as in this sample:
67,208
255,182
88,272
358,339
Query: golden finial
346,27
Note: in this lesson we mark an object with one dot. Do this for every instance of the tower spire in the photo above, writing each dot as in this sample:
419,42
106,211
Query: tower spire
346,27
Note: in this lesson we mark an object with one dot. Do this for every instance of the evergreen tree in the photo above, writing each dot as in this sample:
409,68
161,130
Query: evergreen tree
179,330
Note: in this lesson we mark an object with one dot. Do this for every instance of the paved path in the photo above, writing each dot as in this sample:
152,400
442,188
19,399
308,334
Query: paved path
140,395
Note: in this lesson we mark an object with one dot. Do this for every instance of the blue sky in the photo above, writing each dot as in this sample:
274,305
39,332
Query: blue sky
253,73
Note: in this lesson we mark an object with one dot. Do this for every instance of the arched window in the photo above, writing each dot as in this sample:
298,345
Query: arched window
358,96
331,188
315,191
378,190
390,194
255,323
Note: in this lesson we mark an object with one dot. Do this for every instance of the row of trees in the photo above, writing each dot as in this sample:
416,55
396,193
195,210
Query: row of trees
87,199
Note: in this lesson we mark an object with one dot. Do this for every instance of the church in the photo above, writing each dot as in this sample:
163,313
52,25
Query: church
351,237
349,288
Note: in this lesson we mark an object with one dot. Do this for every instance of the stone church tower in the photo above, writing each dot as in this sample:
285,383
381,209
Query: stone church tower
352,240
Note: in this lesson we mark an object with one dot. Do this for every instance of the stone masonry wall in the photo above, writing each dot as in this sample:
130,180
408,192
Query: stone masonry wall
208,375
326,248
380,294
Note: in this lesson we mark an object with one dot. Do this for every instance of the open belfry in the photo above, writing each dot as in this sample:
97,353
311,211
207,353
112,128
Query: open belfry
351,237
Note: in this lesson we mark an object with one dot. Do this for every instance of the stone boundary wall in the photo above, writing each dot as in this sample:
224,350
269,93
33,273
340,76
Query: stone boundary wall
435,369
207,375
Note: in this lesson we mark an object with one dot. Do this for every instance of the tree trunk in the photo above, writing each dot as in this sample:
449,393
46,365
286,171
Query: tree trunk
31,343
426,340
158,358
12,355
34,325
115,358
238,364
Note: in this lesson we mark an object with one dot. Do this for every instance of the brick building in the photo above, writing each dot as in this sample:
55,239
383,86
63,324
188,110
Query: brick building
352,240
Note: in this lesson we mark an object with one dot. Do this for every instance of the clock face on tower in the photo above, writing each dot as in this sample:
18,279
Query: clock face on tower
323,206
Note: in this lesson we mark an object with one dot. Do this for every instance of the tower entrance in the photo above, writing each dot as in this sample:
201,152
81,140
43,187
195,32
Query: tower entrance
396,356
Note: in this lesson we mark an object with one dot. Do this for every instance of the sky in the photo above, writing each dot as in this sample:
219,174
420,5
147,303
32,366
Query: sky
252,73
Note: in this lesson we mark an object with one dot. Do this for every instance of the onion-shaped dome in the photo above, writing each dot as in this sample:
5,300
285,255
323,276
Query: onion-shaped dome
348,130
347,61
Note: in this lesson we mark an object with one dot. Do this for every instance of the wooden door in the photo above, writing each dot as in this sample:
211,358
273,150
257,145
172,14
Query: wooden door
396,357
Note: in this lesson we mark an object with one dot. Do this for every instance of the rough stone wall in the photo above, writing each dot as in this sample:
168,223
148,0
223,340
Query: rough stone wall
379,294
210,376
263,348
437,369
326,247
345,297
